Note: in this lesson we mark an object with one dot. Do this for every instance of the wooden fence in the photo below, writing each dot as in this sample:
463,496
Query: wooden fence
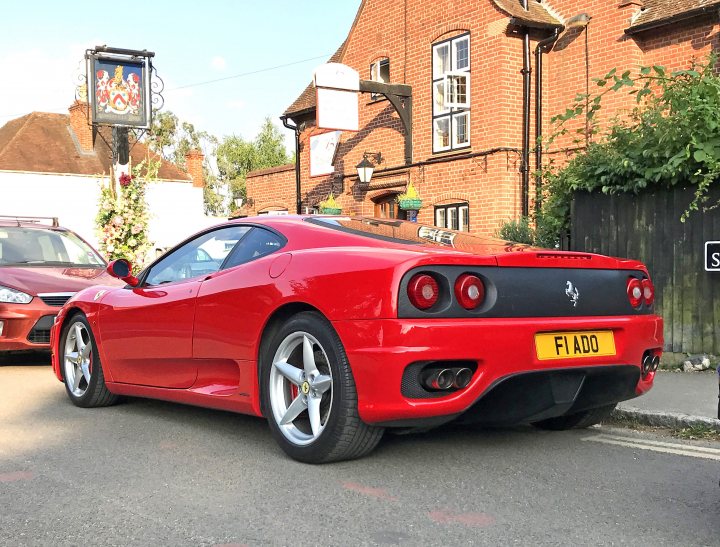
647,227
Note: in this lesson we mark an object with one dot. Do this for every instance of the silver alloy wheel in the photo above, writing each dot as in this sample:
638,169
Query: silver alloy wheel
300,388
77,359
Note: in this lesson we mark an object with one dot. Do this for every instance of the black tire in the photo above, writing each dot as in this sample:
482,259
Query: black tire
579,420
77,336
343,435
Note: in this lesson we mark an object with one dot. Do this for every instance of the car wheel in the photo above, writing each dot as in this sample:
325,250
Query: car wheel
82,370
579,420
309,396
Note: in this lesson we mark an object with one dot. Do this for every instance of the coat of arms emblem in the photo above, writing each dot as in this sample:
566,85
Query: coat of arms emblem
119,95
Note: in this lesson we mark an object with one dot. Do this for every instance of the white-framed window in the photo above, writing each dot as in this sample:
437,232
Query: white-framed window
453,216
461,129
456,90
441,134
380,72
451,93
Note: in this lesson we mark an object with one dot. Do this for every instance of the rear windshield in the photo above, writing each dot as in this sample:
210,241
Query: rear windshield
399,231
20,246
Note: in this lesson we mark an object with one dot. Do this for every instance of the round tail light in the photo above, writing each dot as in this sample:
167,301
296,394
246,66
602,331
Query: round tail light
423,291
648,290
469,291
634,292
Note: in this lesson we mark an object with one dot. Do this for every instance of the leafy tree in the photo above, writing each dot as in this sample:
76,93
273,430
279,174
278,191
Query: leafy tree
236,157
173,139
270,145
214,193
671,138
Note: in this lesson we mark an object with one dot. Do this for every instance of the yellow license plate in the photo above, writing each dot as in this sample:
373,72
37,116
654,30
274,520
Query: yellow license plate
574,345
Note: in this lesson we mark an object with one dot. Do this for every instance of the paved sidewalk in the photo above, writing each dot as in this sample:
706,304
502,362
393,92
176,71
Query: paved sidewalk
677,399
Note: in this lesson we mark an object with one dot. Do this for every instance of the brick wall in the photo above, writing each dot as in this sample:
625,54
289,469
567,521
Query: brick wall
271,189
489,182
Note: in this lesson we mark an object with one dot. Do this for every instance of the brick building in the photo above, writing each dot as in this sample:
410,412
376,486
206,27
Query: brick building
475,69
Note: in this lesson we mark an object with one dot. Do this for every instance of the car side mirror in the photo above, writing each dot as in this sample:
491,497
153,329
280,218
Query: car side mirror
122,269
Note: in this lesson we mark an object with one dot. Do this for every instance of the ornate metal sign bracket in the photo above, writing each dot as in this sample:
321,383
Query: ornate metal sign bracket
122,90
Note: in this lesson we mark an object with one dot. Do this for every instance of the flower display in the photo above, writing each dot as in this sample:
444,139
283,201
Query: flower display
330,206
410,199
122,216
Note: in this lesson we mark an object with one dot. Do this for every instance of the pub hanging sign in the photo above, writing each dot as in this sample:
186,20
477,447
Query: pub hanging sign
119,91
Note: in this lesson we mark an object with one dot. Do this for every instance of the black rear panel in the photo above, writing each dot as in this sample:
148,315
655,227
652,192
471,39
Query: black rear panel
529,292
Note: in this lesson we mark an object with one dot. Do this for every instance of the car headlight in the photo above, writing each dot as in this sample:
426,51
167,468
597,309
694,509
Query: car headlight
12,296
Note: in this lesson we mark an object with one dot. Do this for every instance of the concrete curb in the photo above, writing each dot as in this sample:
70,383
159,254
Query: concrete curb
664,419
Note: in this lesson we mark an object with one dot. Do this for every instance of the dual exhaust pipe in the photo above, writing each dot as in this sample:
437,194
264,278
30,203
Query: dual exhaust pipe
443,379
649,364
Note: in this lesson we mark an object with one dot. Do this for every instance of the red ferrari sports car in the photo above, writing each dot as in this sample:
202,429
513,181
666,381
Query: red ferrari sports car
336,328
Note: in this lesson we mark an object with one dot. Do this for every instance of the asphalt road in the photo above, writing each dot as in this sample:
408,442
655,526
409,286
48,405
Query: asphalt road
153,473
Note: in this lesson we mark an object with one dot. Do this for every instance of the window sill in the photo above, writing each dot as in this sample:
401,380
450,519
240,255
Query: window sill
459,152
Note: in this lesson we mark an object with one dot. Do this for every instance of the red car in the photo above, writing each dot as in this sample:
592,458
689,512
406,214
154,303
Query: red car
335,328
41,266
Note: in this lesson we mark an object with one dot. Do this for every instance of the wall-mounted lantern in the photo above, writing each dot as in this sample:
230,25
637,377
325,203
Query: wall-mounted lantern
365,168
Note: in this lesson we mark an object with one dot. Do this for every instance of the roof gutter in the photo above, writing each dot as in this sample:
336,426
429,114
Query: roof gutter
299,113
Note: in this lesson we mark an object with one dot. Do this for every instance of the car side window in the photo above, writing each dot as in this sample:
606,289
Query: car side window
202,256
259,242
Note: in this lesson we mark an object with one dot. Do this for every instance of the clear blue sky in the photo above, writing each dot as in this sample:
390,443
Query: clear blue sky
263,53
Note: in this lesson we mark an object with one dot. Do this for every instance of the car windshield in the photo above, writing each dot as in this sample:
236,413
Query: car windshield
45,247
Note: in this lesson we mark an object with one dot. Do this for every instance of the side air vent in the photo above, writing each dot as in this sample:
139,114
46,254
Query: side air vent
40,333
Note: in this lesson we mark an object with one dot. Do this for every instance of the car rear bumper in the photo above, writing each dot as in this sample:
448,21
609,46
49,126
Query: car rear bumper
502,349
26,326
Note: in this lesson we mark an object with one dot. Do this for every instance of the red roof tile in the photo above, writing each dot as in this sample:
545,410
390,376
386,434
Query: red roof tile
42,142
656,13
537,15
